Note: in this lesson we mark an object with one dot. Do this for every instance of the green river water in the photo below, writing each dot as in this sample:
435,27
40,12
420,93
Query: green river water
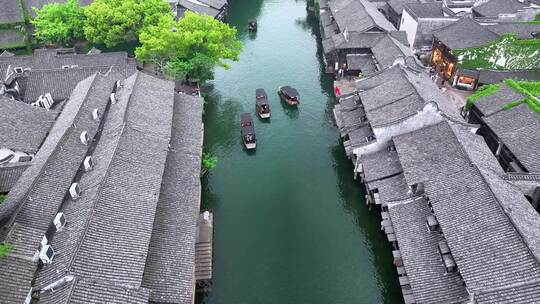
291,225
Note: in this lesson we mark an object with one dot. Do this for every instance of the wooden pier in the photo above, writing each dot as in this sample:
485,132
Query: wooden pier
203,251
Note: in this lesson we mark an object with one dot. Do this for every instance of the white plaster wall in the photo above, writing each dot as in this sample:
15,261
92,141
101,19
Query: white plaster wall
429,115
409,25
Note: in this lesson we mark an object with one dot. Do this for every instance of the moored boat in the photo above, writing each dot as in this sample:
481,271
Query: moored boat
262,104
247,131
290,95
252,25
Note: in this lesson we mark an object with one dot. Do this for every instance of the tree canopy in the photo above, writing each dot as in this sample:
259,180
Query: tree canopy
192,47
111,21
59,23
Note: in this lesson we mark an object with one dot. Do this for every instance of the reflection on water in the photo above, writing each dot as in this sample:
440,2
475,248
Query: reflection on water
291,224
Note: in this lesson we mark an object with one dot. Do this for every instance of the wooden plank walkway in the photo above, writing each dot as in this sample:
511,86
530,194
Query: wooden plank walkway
203,248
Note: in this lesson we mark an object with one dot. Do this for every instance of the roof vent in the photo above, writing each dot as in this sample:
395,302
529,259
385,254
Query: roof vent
84,138
25,158
446,256
113,98
18,70
46,254
95,114
432,223
59,221
65,67
88,163
75,191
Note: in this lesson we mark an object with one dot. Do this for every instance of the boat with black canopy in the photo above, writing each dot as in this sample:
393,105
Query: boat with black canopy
252,25
263,106
290,95
248,131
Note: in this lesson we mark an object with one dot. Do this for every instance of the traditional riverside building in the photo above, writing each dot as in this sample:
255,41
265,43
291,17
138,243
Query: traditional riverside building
452,37
397,100
419,20
108,209
434,181
358,37
512,135
56,72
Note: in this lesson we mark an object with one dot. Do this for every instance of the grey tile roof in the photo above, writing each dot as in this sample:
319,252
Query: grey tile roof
171,258
9,175
493,8
522,214
61,82
452,35
19,273
392,188
62,126
102,234
92,292
523,293
41,189
388,49
492,76
425,10
495,255
46,59
218,4
398,93
380,164
487,248
22,126
430,283
425,29
438,150
359,15
522,29
10,12
198,8
518,128
130,189
494,103
362,62
475,148
30,4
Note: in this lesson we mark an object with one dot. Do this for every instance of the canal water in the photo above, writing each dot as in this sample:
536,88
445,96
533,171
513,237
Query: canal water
291,225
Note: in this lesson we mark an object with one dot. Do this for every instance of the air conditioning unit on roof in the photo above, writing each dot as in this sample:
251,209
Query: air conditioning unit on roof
88,163
113,98
95,114
46,254
59,221
84,138
75,191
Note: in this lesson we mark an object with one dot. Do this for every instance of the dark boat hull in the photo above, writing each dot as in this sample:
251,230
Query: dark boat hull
289,101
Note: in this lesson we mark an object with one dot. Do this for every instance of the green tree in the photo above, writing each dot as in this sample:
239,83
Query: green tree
209,162
111,21
59,23
192,47
5,249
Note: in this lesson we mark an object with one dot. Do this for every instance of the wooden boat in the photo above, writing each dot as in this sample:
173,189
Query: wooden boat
248,131
263,106
290,95
252,25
